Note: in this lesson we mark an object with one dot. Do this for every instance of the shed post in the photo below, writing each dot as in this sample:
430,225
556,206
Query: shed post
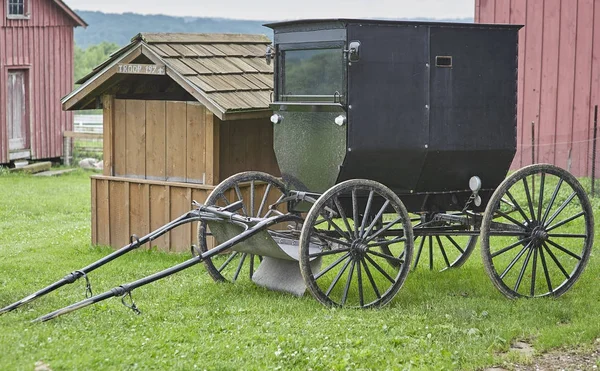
108,112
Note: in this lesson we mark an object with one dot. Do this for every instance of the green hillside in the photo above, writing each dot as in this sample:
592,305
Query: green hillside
120,28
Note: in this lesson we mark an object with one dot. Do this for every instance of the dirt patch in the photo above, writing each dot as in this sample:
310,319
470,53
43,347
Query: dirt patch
568,360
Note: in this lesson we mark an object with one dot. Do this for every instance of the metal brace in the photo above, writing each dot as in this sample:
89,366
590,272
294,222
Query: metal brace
131,306
88,285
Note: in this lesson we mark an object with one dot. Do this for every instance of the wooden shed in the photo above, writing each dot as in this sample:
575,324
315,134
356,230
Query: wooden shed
36,71
181,113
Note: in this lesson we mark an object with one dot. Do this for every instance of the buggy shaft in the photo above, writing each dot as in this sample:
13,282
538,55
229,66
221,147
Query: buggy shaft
127,288
188,217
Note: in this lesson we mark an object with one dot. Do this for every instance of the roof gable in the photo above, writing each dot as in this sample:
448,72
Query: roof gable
227,73
74,16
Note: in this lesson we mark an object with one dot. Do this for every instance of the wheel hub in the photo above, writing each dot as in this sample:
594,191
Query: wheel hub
358,249
539,235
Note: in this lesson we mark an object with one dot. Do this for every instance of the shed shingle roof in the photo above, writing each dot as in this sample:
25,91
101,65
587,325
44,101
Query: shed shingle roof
229,68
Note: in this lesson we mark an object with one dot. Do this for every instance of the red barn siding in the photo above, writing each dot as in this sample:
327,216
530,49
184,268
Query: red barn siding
558,76
42,45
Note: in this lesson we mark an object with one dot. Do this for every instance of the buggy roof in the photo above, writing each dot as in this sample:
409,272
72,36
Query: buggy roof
347,21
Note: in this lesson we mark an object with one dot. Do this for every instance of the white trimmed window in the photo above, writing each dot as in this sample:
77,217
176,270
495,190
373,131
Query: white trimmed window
17,9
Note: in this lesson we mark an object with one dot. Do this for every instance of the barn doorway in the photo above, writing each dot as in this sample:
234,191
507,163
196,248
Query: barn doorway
16,114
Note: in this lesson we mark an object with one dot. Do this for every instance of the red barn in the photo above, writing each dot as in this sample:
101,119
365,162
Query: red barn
36,71
559,73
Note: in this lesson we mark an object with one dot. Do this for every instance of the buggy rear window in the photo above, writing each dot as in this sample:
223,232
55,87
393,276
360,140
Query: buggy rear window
313,75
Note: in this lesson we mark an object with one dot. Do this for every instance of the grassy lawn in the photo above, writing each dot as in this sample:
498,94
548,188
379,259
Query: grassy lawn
450,320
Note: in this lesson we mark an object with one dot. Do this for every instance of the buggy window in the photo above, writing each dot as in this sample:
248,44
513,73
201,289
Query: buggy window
313,75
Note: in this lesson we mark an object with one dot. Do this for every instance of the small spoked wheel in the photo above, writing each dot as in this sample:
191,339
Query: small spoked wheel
537,232
365,243
441,251
257,191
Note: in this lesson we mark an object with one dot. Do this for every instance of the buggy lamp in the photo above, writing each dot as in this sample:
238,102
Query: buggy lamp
340,120
276,119
475,185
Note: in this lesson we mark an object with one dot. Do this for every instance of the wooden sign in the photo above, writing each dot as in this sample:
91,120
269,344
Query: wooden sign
141,69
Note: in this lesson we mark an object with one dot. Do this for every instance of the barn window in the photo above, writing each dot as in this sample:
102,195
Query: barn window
17,9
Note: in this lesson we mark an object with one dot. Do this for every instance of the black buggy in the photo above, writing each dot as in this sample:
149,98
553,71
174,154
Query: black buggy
394,140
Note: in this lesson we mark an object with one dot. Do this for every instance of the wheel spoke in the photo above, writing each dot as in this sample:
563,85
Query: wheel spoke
378,267
561,208
516,204
566,235
355,215
222,196
515,221
370,276
523,269
239,267
386,256
430,238
331,266
419,252
561,248
348,282
337,277
252,198
562,269
251,266
335,226
552,199
541,198
342,213
238,193
546,273
229,259
511,246
377,216
529,201
439,241
455,244
533,272
514,261
385,228
328,252
264,200
361,298
570,219
387,242
366,214
331,239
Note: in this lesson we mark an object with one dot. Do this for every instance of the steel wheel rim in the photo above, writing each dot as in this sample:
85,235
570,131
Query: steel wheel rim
550,240
355,272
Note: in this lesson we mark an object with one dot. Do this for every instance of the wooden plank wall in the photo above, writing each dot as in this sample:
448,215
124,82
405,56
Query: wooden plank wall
43,47
161,140
559,77
123,206
247,145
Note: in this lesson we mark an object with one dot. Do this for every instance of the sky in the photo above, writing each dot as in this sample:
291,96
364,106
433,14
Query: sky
286,9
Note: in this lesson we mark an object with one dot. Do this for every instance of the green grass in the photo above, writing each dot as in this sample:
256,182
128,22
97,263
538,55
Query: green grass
450,320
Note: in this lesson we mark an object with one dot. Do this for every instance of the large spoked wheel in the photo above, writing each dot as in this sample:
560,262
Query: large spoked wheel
257,191
445,251
537,232
366,245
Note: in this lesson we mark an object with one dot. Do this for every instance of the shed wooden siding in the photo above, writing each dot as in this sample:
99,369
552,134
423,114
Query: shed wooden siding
559,75
160,140
122,207
42,46
183,142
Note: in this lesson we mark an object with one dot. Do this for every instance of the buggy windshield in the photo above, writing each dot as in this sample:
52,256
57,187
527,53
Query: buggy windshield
313,75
